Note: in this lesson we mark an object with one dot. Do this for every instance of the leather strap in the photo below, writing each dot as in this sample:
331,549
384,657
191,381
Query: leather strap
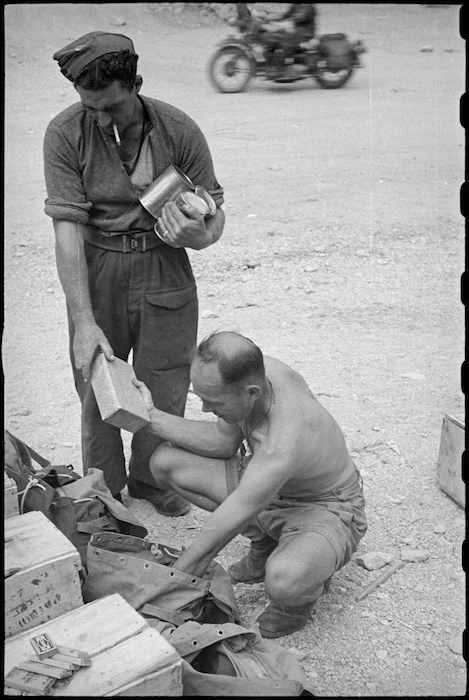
138,242
187,642
175,618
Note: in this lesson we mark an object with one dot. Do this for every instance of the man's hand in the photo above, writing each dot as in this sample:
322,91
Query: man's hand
86,342
146,394
183,227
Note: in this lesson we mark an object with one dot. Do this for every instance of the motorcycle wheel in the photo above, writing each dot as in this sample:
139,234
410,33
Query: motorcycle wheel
231,69
331,79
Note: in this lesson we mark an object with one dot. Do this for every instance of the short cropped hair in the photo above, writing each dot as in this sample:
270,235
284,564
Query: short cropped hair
97,75
240,363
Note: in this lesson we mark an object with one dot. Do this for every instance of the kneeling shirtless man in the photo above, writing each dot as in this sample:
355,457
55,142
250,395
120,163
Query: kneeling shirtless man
273,467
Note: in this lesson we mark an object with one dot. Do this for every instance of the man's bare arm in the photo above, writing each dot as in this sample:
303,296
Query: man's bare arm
206,438
73,275
260,483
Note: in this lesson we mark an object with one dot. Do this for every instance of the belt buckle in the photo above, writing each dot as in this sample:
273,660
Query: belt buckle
134,244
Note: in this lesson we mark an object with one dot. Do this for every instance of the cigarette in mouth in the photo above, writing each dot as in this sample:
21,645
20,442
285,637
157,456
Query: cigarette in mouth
116,135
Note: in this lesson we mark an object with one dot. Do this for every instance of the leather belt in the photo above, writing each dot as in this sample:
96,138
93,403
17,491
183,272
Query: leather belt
138,242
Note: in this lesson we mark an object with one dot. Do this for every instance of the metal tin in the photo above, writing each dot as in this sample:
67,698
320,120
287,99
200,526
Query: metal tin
167,187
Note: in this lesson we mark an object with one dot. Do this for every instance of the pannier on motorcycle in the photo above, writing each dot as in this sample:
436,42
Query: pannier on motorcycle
335,59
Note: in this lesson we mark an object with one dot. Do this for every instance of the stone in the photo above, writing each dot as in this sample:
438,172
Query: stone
381,654
412,375
440,529
455,644
336,608
374,560
414,555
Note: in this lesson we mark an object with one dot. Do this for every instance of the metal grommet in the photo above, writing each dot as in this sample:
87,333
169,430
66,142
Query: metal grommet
220,632
193,580
194,642
96,554
171,573
146,565
122,560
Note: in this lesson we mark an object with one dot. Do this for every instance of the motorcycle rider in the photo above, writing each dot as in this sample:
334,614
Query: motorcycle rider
296,26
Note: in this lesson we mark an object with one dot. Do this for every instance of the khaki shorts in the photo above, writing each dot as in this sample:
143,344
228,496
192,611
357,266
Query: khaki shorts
339,517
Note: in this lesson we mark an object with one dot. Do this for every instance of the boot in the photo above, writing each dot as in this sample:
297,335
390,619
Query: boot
165,501
251,568
277,621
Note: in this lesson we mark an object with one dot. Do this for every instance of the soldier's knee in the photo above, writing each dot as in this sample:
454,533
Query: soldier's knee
161,459
280,579
289,582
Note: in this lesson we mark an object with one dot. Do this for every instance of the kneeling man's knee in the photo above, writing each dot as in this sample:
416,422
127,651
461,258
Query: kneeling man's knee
161,460
281,580
288,583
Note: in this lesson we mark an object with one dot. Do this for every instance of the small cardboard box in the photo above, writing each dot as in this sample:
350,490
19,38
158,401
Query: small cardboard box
449,466
10,499
120,402
128,657
42,577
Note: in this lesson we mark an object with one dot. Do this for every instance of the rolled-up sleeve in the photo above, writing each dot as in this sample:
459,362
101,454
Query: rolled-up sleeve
66,197
196,160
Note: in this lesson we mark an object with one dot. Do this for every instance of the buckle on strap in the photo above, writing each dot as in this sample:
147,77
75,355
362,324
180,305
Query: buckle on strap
134,243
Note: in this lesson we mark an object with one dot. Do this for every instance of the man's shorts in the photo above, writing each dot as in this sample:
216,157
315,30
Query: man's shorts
339,517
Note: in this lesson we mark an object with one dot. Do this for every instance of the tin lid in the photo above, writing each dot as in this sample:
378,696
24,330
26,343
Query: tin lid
195,201
202,192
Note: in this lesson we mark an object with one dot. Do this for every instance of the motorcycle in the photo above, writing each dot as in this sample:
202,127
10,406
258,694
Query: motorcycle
330,59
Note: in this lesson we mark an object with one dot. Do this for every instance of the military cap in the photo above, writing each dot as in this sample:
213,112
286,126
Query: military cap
74,57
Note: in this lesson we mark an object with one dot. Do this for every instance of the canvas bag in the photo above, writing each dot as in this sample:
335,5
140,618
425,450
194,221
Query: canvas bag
78,506
231,660
141,572
198,616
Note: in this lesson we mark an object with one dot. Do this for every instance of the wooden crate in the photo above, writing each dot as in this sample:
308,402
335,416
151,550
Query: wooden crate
47,582
449,468
129,658
119,401
10,501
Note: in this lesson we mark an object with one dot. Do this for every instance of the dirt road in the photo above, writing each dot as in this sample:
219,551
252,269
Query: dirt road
342,256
